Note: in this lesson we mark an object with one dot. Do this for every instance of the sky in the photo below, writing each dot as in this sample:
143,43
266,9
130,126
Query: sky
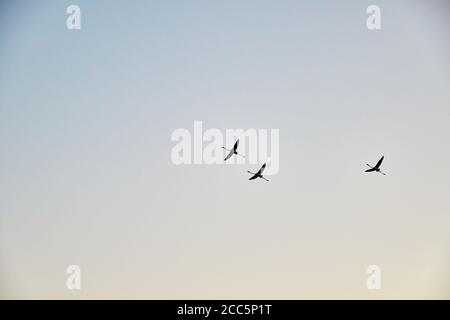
86,176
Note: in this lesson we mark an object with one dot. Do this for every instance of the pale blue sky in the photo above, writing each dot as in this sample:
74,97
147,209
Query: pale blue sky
85,172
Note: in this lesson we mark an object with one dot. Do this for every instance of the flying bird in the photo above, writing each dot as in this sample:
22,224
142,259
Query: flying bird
377,167
233,151
258,174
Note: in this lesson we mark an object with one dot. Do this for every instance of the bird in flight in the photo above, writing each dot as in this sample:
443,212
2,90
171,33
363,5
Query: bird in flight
377,167
233,151
258,174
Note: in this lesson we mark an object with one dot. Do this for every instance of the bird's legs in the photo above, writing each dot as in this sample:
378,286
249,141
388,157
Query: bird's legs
264,178
251,172
369,166
382,172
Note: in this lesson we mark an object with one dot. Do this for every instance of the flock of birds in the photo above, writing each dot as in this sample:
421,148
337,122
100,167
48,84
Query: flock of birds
232,152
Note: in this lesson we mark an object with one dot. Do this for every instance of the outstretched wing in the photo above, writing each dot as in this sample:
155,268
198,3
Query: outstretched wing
254,177
262,169
379,162
229,155
236,145
370,170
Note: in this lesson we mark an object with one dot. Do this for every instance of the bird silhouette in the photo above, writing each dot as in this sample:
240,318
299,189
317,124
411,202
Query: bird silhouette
232,151
258,174
377,167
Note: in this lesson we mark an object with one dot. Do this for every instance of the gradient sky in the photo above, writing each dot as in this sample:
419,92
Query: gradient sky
85,171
